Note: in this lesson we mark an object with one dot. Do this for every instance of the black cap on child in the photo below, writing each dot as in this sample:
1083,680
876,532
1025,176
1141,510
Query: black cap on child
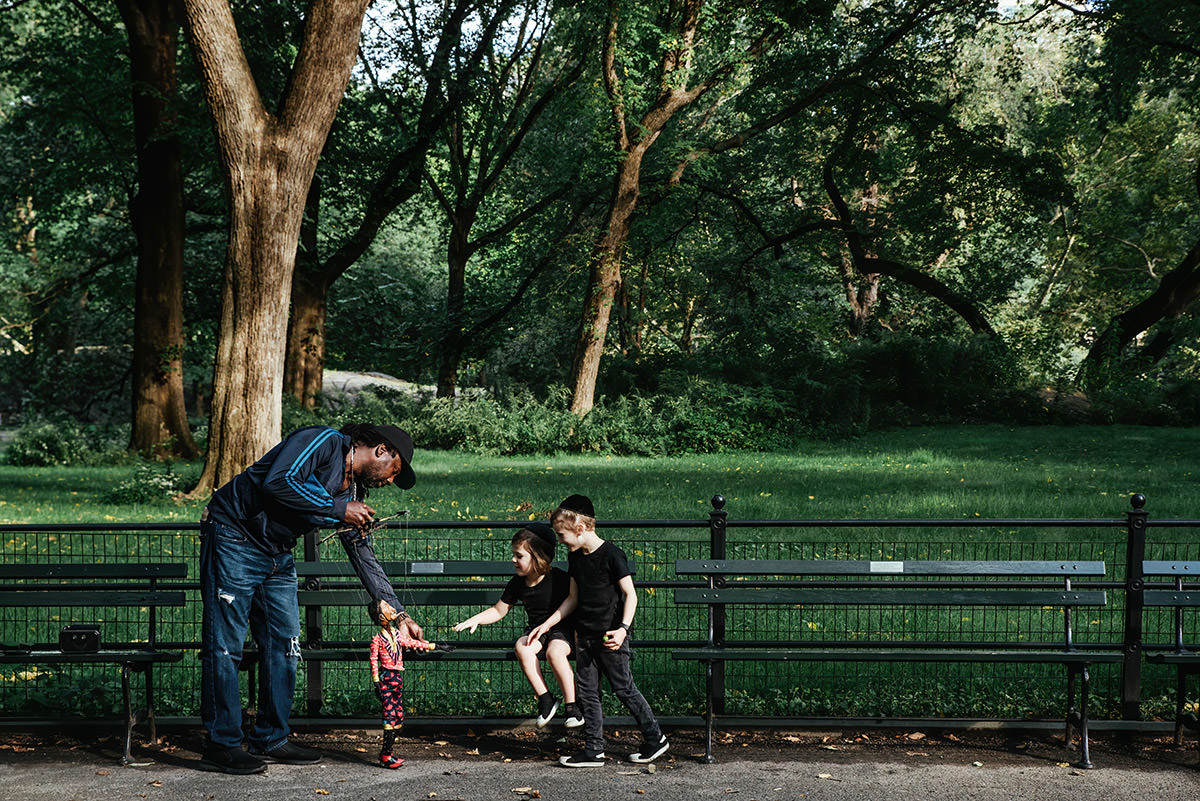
579,504
544,537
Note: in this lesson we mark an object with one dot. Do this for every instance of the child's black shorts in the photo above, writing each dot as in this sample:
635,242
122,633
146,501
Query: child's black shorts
566,636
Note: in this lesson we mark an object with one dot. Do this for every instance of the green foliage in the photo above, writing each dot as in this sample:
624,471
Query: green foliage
151,482
61,441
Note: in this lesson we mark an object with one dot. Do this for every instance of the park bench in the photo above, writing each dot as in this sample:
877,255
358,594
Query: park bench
83,593
1183,599
734,584
428,589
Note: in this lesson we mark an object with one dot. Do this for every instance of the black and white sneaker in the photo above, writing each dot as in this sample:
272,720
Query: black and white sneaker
574,716
547,706
583,759
649,751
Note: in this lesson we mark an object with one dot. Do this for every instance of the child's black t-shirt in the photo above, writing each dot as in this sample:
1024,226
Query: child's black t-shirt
597,576
541,599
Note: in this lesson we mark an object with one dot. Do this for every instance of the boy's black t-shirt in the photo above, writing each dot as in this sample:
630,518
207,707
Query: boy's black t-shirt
541,599
597,576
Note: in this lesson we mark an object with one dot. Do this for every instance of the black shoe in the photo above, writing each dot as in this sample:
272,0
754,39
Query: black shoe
289,754
583,759
574,716
650,751
230,760
547,706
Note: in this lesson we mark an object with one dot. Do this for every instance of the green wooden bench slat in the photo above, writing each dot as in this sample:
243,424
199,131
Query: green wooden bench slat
414,569
458,654
1171,597
1173,657
863,567
409,596
1170,568
888,596
503,569
885,655
92,597
96,657
99,571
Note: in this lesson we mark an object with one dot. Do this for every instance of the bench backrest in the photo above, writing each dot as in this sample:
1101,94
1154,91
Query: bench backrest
418,583
892,583
80,585
100,585
742,582
1179,598
1181,572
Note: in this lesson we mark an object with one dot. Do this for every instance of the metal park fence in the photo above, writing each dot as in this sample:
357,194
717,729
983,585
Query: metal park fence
769,693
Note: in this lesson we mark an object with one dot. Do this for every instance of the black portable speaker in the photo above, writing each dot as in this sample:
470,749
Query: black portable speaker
79,638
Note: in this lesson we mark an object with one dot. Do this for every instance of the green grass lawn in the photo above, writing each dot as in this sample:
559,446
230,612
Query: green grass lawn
944,472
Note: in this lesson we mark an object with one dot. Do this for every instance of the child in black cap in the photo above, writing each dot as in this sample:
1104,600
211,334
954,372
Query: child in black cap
540,588
603,601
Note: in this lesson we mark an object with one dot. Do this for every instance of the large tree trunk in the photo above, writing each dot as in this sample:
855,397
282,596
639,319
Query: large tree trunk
603,283
160,424
458,252
304,354
269,161
304,364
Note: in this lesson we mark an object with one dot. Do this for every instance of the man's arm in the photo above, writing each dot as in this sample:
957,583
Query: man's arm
293,478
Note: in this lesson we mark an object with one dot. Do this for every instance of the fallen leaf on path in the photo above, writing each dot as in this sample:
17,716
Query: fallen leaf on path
916,735
977,764
103,772
322,792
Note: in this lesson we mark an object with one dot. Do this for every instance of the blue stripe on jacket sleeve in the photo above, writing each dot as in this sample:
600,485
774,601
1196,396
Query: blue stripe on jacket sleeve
311,490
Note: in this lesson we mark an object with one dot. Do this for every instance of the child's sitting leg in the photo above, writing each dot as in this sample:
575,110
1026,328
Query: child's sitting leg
527,656
558,654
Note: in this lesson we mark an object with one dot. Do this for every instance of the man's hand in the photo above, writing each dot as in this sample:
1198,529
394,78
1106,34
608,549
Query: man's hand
358,514
409,628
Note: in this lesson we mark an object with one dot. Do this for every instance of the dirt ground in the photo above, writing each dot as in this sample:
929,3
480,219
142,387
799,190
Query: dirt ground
182,747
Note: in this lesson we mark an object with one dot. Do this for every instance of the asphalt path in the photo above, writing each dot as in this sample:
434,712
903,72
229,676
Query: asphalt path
517,765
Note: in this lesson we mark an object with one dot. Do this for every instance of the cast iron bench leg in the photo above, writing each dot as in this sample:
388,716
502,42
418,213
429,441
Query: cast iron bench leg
129,716
150,703
708,712
1085,760
1071,712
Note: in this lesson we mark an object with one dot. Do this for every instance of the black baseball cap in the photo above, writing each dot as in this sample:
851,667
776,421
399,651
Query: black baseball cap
399,440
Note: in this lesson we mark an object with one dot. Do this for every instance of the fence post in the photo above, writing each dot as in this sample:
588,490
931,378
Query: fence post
314,668
1135,552
716,550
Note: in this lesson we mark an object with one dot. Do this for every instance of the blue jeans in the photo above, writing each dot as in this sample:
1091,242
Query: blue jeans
244,589
591,660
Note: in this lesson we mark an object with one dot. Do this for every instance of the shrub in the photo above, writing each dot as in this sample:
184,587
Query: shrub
151,482
48,443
